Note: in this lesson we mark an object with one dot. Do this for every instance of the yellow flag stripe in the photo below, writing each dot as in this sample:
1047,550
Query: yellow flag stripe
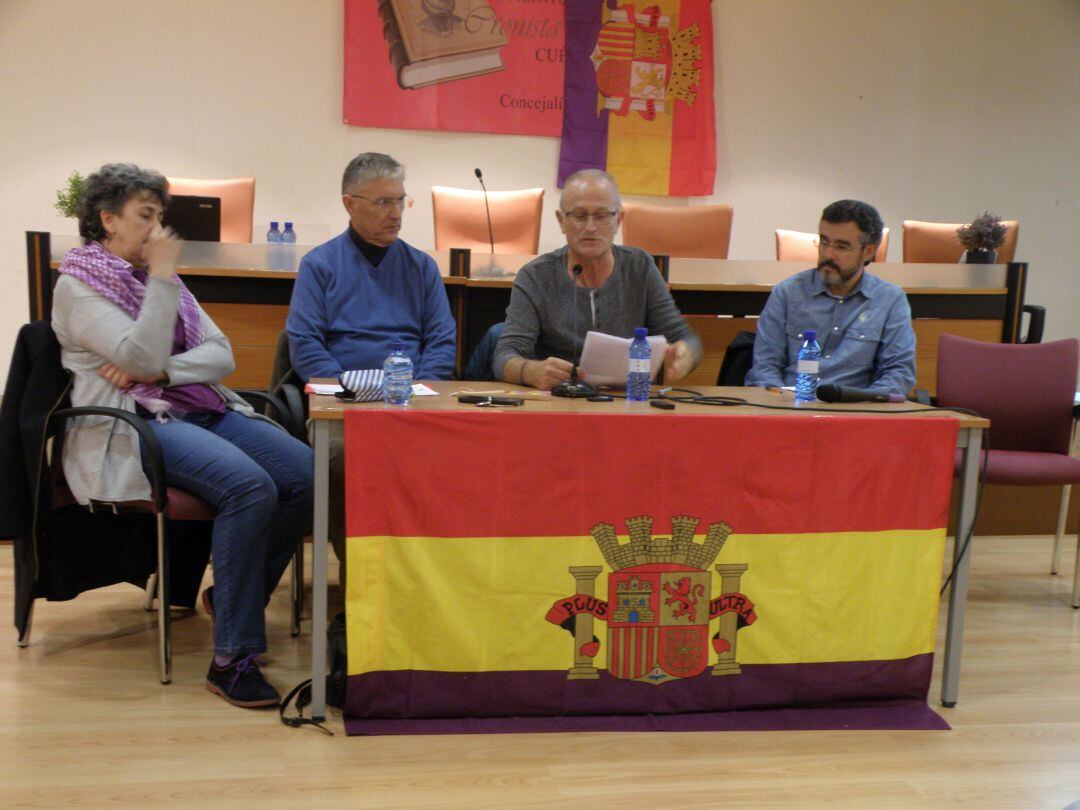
479,604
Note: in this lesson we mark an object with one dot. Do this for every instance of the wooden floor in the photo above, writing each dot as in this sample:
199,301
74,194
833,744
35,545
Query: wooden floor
86,723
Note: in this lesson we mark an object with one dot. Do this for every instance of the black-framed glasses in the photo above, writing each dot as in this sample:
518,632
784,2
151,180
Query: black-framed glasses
601,217
386,203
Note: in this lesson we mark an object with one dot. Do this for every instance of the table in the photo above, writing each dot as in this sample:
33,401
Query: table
327,414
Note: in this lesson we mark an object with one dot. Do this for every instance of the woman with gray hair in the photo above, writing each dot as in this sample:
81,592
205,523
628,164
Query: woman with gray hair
134,337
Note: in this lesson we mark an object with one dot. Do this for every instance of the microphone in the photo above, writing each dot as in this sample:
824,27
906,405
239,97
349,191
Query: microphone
574,388
491,231
842,393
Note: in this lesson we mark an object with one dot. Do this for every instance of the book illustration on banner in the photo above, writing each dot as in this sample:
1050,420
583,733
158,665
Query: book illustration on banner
644,63
434,41
659,604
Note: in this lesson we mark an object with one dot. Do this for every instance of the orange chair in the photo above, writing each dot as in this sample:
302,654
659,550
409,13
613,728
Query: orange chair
938,242
685,232
797,246
461,219
237,202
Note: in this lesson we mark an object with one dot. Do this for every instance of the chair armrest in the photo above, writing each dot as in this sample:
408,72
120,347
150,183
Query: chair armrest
282,414
159,493
1036,322
294,398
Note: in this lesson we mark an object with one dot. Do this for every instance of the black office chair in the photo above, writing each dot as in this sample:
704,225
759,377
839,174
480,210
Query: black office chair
738,360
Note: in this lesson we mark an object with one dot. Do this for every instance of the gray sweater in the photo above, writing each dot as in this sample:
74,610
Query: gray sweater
540,318
101,455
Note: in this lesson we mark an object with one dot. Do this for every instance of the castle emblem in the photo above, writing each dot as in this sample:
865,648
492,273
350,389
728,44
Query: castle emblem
659,609
644,62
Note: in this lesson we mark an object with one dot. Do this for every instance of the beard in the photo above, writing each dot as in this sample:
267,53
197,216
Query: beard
832,275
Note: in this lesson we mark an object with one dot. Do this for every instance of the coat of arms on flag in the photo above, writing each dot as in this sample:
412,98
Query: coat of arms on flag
639,95
659,606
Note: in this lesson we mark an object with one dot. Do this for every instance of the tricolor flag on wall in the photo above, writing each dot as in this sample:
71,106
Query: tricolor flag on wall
594,566
638,94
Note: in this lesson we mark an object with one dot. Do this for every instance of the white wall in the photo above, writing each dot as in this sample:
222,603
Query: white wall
930,109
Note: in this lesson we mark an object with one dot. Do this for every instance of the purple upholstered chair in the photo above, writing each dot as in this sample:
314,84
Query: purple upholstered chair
1027,392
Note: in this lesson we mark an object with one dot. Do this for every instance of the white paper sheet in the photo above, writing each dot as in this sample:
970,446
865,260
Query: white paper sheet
605,359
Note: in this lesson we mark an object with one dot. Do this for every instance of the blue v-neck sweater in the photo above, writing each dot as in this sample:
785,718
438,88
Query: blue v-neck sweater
345,312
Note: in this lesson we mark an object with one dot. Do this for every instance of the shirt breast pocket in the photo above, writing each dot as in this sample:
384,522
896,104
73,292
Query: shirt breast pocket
864,334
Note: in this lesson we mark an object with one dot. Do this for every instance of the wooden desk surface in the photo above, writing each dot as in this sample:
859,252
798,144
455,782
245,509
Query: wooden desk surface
760,402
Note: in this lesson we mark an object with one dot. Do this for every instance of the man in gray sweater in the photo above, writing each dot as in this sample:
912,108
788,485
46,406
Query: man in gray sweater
620,289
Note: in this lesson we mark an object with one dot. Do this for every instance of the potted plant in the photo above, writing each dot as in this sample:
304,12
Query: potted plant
982,238
67,198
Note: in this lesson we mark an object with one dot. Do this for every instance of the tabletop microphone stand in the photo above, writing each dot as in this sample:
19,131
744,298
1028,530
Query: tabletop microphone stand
574,388
493,267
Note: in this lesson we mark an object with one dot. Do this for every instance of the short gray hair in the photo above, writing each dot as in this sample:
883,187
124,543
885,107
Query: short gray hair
109,188
582,175
369,166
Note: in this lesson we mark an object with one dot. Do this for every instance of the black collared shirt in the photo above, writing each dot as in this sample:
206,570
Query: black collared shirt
373,253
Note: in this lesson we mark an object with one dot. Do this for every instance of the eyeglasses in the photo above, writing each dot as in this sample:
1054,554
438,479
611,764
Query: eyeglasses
840,247
599,217
386,203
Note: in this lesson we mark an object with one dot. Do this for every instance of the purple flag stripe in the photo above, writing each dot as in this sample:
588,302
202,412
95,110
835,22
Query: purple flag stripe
584,134
412,694
903,715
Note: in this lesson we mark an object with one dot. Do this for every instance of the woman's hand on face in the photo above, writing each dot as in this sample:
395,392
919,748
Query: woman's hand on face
162,252
122,380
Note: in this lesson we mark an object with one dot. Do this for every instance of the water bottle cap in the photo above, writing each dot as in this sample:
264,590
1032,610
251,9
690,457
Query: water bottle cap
273,224
809,334
640,332
397,346
288,226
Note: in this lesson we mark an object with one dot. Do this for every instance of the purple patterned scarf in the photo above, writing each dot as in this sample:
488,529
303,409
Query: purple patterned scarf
112,277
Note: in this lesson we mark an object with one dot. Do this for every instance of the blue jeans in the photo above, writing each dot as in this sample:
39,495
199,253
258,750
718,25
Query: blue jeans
260,479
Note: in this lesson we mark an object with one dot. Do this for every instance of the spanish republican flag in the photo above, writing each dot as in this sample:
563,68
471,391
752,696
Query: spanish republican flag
638,93
588,566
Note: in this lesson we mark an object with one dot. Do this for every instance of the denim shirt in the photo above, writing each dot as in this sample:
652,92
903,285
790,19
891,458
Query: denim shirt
866,337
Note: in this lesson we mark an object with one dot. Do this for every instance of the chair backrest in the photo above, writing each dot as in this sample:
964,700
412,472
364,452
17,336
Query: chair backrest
938,242
237,202
738,360
685,232
1025,389
461,219
799,246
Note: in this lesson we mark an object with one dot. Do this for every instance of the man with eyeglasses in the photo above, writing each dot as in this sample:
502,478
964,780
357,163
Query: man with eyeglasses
620,289
863,323
358,293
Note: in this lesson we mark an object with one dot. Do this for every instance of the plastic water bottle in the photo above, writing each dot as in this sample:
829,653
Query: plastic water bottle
637,379
397,376
806,380
288,236
273,235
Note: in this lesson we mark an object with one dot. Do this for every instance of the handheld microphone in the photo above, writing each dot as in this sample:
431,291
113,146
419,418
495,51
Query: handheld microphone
842,393
487,208
574,388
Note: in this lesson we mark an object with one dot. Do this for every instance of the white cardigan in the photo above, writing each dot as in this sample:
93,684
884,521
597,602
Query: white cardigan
101,455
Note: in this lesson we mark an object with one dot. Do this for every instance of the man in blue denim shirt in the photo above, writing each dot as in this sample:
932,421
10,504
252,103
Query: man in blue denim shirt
863,323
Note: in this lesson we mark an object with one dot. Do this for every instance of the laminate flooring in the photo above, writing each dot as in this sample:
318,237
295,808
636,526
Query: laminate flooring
88,724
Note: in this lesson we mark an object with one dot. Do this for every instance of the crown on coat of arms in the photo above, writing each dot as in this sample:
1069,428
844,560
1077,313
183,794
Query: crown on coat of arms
643,548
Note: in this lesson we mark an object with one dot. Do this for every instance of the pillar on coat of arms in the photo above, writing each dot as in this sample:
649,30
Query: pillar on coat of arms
729,622
583,669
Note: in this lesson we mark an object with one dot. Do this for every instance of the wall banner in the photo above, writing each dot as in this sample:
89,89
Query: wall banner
456,65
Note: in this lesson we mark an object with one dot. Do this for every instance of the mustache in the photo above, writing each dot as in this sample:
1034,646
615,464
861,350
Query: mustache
828,263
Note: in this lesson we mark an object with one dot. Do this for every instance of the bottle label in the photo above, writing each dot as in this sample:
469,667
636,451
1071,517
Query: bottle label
807,367
640,366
